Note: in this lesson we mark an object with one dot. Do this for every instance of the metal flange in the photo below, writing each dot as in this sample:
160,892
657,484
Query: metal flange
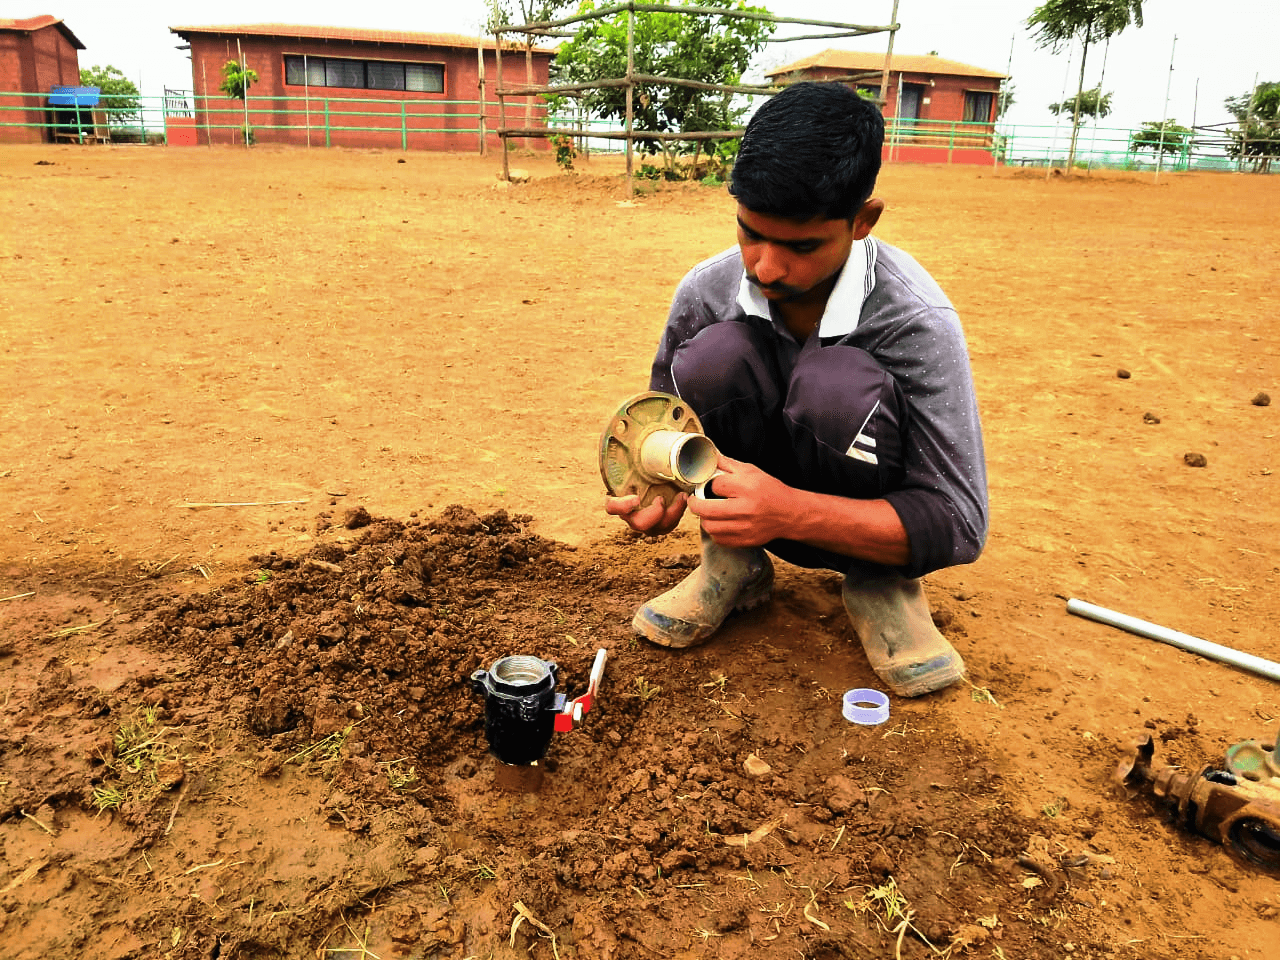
653,446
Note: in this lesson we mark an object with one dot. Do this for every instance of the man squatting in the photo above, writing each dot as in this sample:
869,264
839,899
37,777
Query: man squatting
831,372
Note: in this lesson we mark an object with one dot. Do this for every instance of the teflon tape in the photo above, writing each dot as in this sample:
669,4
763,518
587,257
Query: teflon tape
866,706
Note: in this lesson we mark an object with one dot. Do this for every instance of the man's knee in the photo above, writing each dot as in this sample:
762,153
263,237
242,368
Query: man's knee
723,363
847,417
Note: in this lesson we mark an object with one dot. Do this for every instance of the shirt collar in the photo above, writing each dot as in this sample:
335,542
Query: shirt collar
844,307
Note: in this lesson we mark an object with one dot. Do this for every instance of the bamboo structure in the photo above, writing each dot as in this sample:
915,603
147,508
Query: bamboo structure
557,29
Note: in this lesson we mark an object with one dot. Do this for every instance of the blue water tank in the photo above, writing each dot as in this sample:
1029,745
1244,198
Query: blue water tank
74,96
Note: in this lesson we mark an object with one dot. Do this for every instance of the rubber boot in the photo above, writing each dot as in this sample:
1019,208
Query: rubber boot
729,579
891,617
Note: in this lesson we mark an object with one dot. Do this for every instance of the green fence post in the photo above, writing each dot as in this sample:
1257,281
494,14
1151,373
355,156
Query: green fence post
326,121
404,132
951,143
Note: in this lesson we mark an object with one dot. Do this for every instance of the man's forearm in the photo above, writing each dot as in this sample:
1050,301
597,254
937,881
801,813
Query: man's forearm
866,529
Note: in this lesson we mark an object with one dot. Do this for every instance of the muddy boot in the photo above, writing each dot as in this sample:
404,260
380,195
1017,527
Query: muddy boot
729,579
891,617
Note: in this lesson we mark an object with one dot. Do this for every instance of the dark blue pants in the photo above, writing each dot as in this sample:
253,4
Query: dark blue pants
832,423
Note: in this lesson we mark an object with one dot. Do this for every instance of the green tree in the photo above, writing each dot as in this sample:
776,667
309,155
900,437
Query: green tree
237,80
706,48
1006,98
119,95
503,12
1256,137
1091,103
1160,137
1057,23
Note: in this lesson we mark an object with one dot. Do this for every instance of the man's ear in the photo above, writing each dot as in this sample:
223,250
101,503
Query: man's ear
867,217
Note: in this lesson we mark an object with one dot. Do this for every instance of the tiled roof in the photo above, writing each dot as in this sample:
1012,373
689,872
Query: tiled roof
855,61
31,24
293,31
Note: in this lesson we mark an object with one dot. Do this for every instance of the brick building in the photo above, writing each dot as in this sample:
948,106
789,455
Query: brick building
35,54
937,110
339,86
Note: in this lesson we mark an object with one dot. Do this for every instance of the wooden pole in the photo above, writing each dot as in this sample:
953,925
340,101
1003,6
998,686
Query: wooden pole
602,12
480,69
1000,108
204,77
306,92
631,69
502,104
1248,120
897,119
883,99
1164,121
244,92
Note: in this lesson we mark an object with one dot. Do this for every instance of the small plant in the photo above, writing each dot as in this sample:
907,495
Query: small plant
108,798
711,180
892,912
1054,810
326,750
982,695
261,576
132,769
886,900
645,690
485,872
566,150
399,777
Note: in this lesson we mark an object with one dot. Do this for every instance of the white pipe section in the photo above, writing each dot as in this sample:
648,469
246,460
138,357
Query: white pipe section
688,459
1245,661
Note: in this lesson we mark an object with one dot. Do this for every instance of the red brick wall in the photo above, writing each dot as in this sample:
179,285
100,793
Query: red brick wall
944,93
31,63
933,137
433,121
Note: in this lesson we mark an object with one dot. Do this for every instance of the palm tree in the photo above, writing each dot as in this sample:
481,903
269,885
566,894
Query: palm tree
1057,23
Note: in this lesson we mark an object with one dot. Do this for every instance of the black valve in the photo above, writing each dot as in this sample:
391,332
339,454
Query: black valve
520,707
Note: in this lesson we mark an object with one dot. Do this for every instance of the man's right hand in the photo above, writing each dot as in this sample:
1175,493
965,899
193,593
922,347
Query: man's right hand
653,520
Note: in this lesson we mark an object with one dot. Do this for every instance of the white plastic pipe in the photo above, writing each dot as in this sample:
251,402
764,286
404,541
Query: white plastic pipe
688,459
1245,661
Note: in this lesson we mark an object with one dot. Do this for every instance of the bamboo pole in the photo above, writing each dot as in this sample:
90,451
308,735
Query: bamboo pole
1164,120
204,76
306,92
244,92
710,11
621,134
631,69
1008,70
502,104
883,99
519,90
480,75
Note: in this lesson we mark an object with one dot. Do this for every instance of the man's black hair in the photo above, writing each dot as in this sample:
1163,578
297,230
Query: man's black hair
812,150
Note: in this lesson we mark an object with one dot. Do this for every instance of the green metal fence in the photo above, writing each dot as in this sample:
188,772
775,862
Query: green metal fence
459,124
312,120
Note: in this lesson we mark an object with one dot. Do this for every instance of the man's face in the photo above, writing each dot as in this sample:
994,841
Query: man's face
787,259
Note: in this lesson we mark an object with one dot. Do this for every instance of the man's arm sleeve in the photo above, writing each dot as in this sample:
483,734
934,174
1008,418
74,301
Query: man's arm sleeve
688,315
942,502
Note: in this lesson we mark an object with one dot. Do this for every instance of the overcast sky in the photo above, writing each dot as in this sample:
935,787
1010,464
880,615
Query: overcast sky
1221,48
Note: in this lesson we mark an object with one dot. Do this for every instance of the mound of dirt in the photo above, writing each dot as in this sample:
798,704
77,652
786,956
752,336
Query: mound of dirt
713,796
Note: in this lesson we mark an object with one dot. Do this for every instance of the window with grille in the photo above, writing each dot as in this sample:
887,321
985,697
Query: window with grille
363,74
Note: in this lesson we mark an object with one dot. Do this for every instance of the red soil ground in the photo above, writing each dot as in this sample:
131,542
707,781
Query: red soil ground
248,731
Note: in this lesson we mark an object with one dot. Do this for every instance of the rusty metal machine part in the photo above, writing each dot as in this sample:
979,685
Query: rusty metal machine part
653,446
1239,811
